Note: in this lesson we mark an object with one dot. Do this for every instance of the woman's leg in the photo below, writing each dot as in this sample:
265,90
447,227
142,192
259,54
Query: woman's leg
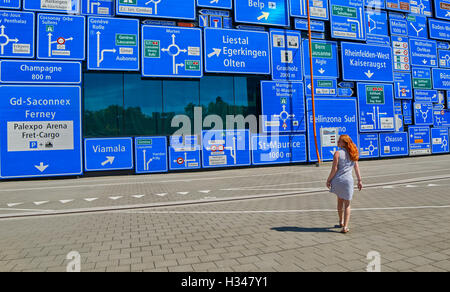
340,209
347,213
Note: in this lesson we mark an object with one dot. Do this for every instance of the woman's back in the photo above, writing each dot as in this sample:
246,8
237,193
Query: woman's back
345,165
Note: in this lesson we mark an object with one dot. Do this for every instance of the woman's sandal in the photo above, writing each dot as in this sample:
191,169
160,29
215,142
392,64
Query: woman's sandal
345,230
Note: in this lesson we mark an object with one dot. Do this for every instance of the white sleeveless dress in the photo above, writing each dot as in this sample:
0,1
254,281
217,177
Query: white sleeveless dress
343,183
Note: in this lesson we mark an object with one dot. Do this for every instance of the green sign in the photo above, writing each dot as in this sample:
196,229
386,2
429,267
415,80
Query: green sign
192,65
50,28
421,83
375,94
145,142
152,49
128,2
126,40
344,11
321,50
324,83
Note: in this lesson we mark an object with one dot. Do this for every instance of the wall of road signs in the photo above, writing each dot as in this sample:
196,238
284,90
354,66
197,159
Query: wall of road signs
381,71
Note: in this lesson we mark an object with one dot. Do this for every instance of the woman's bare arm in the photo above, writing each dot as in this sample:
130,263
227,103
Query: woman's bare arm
358,175
334,169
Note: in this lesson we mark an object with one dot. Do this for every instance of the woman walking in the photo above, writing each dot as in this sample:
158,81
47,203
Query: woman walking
340,181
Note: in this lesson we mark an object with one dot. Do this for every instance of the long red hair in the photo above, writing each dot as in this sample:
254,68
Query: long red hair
350,147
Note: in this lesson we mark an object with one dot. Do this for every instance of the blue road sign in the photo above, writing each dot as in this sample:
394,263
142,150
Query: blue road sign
423,53
226,148
417,26
394,144
286,55
97,7
157,9
398,24
172,52
375,4
440,140
403,85
442,9
322,87
40,72
16,34
283,107
444,58
346,84
150,154
61,37
302,24
441,118
318,9
439,29
400,48
422,7
63,6
184,153
407,107
398,5
270,12
104,154
220,4
113,44
419,140
376,22
348,19
325,59
334,117
278,149
236,51
424,95
40,129
421,78
366,63
369,146
378,39
423,114
376,108
345,92
399,126
443,45
441,78
10,4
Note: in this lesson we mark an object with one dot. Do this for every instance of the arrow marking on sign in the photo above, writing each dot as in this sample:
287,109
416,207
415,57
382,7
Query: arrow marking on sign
110,160
214,2
216,52
321,71
41,167
424,61
369,74
264,15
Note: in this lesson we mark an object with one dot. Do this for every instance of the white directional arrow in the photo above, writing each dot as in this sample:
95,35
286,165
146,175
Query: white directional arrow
369,74
309,86
205,192
40,203
116,198
388,187
264,15
214,1
433,185
90,199
410,186
216,53
424,61
321,71
138,196
161,195
109,159
41,167
65,201
182,193
14,204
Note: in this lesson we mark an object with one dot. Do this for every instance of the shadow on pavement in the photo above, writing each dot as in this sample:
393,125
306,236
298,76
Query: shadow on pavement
303,229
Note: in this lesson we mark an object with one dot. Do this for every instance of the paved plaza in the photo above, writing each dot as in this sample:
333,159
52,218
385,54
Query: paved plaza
250,220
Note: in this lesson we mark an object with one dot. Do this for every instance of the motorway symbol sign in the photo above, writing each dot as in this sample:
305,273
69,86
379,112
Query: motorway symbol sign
10,4
16,34
286,55
441,78
419,140
325,59
421,7
376,22
348,19
423,53
444,58
403,85
398,5
366,62
423,113
40,129
226,148
302,24
318,9
394,144
97,7
440,140
407,107
157,8
102,154
63,6
439,29
442,9
172,52
425,95
269,12
333,116
417,26
184,153
220,4
376,108
421,78
61,37
40,72
236,51
322,87
283,107
113,44
278,149
400,48
398,24
150,154
369,146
